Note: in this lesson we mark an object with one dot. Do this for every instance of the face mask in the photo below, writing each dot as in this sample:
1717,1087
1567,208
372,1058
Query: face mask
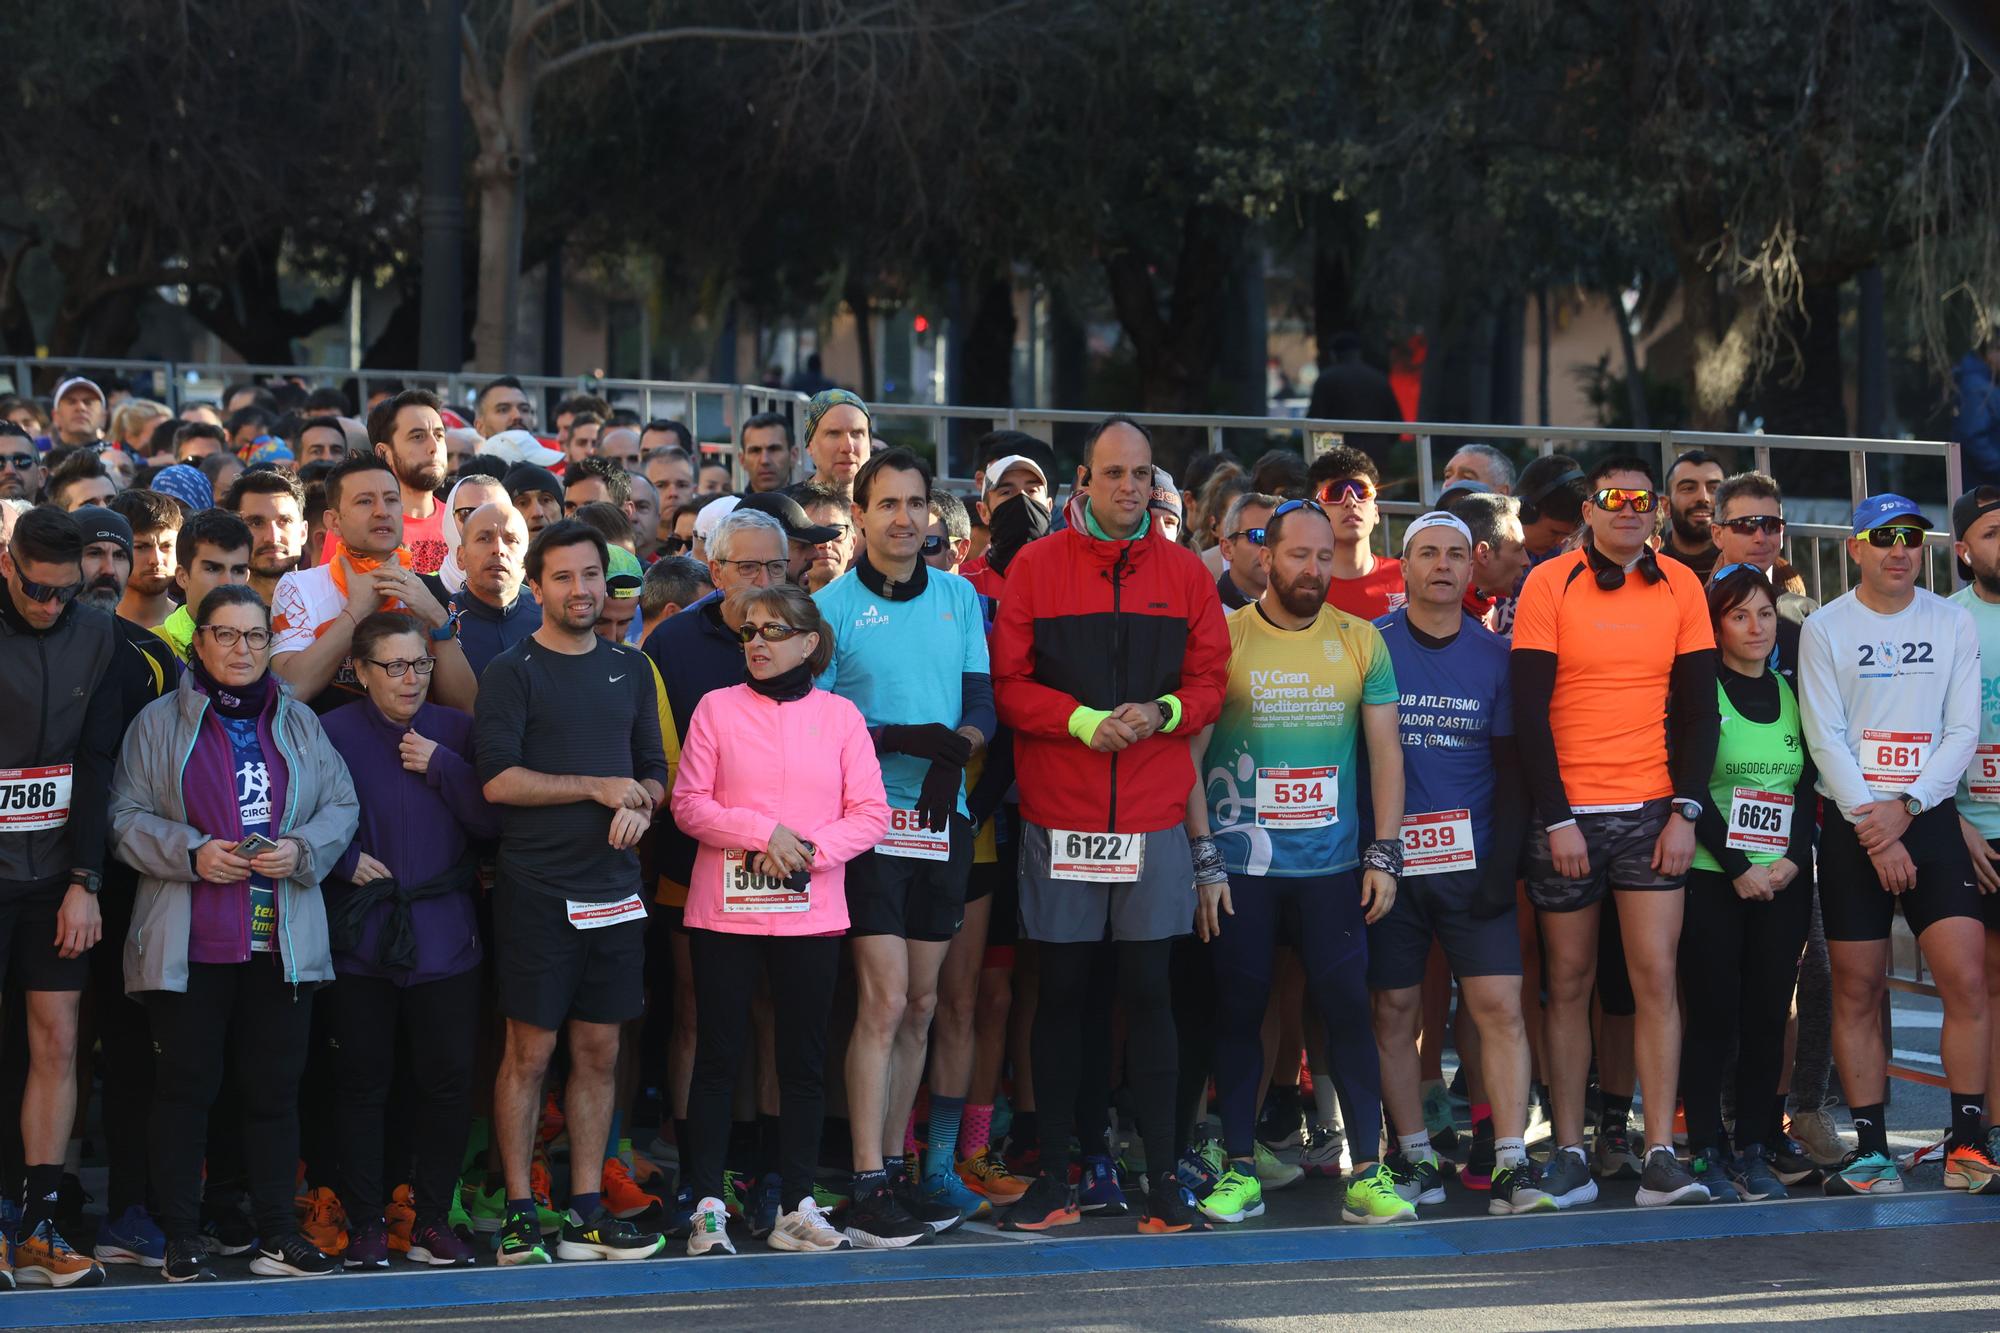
1012,525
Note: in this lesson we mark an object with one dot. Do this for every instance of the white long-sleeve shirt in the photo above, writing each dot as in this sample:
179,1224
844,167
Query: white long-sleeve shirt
1890,703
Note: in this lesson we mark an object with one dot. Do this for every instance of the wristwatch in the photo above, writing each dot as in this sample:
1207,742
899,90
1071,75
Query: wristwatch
1688,810
448,631
1166,713
1913,805
89,879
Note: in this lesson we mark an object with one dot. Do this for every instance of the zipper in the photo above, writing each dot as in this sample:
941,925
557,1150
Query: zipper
41,743
1117,575
291,797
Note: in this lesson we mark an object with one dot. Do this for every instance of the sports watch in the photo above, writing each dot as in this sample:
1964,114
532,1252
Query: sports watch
1688,810
1913,805
448,631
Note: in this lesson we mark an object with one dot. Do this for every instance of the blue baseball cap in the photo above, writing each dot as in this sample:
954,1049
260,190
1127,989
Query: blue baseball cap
1879,510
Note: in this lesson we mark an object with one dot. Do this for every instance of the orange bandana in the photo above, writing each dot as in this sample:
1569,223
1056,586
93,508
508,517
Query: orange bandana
362,565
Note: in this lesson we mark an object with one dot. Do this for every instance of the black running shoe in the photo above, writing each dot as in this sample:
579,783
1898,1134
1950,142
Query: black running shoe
939,1217
1170,1208
187,1261
294,1256
879,1222
1049,1203
605,1237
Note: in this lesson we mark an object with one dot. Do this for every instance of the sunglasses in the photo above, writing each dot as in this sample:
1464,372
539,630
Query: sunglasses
775,632
18,462
1770,524
64,593
1903,534
1270,528
226,636
463,513
396,667
1255,535
1613,499
933,544
1358,490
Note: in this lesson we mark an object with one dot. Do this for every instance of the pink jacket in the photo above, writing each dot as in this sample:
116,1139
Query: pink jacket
749,764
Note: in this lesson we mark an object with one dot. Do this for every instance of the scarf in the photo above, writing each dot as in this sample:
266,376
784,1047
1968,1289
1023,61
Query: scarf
1014,523
785,687
363,564
231,700
878,583
449,573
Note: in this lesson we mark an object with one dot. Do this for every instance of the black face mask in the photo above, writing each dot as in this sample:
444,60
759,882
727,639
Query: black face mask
786,686
1013,524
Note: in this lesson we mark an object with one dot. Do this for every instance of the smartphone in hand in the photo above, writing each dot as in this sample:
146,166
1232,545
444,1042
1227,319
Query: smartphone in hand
254,845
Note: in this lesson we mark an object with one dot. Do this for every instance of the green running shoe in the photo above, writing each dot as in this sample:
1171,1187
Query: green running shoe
1372,1199
486,1212
1275,1173
1236,1196
520,1243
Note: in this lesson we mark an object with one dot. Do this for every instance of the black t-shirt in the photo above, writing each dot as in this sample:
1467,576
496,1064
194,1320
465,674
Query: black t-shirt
576,715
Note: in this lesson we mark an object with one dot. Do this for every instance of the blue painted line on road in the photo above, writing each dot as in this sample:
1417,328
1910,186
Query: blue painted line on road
445,1289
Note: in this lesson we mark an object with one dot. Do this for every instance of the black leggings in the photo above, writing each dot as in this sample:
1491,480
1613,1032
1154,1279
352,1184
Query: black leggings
250,1009
125,1059
1738,962
1071,1045
437,1023
802,971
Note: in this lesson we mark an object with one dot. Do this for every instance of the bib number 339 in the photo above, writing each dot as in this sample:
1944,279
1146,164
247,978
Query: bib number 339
1096,858
1297,798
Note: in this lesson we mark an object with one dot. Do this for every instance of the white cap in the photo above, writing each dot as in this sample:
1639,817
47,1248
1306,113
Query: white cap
518,446
998,469
1437,518
74,382
711,516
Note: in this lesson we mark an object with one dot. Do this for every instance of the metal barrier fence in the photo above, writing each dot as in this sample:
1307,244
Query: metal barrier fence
716,413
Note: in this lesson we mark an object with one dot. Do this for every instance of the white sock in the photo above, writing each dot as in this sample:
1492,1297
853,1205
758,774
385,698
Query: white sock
1416,1147
1510,1152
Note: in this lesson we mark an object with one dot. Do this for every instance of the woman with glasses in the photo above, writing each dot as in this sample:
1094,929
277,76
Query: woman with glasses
780,785
232,805
406,949
1749,902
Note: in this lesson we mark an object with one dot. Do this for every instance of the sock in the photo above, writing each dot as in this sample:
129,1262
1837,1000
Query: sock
585,1206
1510,1152
1615,1115
897,1169
1870,1134
1417,1147
39,1201
1968,1112
868,1182
1026,1129
942,1131
975,1129
522,1208
1482,1114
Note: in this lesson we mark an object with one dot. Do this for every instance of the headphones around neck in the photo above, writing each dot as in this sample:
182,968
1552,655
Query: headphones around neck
1611,577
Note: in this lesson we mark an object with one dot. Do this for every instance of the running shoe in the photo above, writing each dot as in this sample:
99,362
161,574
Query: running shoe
1195,1171
680,1213
322,1220
1754,1176
45,1259
732,1196
1518,1189
1323,1156
1236,1196
1970,1167
1438,1120
186,1261
1274,1172
294,1256
458,1219
1098,1191
1372,1199
1023,1160
130,1238
368,1249
939,1217
488,1209
1665,1181
542,1191
225,1229
1715,1175
1169,1209
606,1237
1283,1123
944,1188
436,1245
1816,1131
808,1232
1933,1151
710,1231
1615,1158
520,1242
1417,1179
765,1206
986,1174
624,1199
1567,1179
1477,1173
1864,1173
829,1199
647,1174
553,1124
1049,1203
1792,1164
401,1219
880,1222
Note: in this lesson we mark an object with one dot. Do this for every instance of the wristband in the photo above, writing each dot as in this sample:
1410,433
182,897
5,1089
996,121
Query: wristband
1208,866
1385,855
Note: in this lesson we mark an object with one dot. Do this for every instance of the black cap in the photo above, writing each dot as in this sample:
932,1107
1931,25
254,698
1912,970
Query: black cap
1968,509
528,477
99,524
790,514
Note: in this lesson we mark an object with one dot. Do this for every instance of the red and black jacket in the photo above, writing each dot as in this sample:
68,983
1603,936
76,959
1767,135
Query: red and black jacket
1102,623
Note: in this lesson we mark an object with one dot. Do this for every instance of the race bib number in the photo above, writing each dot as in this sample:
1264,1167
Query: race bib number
1097,858
1759,821
1438,843
1297,798
1982,780
596,916
1893,758
907,836
744,890
33,799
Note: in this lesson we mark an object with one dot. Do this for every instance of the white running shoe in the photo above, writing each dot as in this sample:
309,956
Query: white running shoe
711,1229
805,1232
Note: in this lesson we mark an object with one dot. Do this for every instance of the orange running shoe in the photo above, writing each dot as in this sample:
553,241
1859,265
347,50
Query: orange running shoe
1970,1167
553,1124
984,1173
46,1260
622,1198
323,1221
647,1175
402,1219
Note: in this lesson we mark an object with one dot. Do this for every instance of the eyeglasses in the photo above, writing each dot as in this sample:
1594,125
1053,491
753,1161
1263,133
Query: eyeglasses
776,631
226,637
1615,498
1255,535
1270,528
18,462
675,545
1356,490
749,569
1902,534
397,668
1769,524
933,544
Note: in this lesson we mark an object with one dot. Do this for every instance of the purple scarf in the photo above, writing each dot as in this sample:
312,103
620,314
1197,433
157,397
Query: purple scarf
219,931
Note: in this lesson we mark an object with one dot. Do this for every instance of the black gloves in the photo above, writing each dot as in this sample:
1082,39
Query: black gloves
937,800
930,740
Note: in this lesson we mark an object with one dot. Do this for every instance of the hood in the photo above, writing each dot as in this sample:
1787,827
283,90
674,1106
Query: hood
1103,549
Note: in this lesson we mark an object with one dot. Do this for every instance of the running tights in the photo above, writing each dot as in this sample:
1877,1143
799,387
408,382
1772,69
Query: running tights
1071,1044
